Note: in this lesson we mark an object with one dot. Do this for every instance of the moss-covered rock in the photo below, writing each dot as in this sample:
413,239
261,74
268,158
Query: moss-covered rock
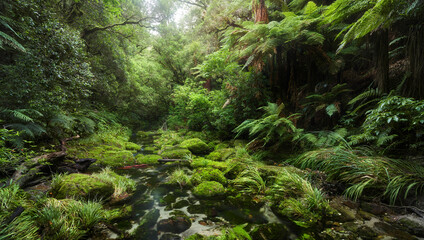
107,155
82,186
221,145
195,145
175,153
150,150
201,162
271,231
207,174
221,154
147,159
209,189
121,213
132,146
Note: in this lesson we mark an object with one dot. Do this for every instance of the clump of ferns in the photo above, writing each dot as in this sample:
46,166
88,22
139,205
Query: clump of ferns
297,199
250,181
407,178
358,168
179,176
345,165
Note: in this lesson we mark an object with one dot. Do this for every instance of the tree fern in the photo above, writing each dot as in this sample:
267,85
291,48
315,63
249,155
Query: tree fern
271,128
7,39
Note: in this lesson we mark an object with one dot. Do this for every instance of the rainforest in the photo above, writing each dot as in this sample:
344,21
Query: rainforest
211,119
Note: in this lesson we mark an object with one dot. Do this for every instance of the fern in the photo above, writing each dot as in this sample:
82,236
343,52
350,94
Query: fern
271,128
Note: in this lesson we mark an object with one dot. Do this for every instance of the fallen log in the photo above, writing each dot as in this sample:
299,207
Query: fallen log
171,160
28,170
134,166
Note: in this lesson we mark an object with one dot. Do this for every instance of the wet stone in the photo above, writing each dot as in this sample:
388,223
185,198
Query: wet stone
146,234
175,224
181,204
412,226
168,236
271,231
144,204
167,200
393,232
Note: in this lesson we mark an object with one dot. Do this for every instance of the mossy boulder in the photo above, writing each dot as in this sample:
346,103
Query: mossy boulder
150,150
221,146
221,154
175,153
201,162
107,155
147,159
132,146
82,186
271,231
209,189
207,174
195,145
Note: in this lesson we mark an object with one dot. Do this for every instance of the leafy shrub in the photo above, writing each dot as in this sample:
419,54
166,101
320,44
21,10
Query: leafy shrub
396,122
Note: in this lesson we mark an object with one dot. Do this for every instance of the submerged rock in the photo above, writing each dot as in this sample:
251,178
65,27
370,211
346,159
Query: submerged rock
209,189
83,186
175,224
149,220
168,236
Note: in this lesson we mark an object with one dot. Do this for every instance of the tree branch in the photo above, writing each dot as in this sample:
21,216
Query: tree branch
200,4
87,32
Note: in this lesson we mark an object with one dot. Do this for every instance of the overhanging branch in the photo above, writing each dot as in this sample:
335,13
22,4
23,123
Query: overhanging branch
139,22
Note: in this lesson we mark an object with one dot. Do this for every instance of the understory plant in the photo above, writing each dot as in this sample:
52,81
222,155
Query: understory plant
180,177
295,198
69,219
19,227
122,184
272,129
250,181
361,171
397,123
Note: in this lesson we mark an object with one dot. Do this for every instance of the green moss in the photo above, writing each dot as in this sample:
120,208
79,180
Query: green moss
118,213
147,159
150,150
107,155
82,186
176,153
209,189
207,174
221,146
203,162
221,154
132,146
195,145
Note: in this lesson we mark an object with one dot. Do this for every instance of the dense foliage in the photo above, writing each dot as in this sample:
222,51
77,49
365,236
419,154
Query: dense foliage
307,83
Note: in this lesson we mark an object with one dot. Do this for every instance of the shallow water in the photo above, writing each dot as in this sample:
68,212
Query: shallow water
207,216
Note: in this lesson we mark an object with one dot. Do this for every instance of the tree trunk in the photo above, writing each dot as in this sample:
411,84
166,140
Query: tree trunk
382,61
260,11
414,85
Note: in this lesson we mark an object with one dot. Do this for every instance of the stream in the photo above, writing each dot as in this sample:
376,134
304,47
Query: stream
154,201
